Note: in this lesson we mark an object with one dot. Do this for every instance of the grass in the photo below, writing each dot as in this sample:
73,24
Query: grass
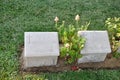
86,75
19,16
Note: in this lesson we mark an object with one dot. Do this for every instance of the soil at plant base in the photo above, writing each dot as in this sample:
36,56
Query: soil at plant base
109,63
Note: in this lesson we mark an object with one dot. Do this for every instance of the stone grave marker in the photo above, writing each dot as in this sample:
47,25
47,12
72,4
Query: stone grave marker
96,48
40,49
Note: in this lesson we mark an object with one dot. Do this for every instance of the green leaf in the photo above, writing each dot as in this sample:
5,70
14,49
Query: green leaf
63,51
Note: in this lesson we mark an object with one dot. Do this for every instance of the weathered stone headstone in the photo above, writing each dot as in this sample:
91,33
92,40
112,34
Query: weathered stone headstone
40,49
96,48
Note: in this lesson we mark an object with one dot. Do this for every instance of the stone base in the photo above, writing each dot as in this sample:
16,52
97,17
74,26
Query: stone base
40,61
92,58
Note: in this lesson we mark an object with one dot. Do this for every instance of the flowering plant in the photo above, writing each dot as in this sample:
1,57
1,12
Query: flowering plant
72,43
113,27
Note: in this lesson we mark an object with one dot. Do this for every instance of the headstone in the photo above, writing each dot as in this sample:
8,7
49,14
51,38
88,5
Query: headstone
40,49
96,48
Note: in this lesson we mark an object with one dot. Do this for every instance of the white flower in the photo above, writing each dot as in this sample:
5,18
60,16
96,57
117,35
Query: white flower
56,19
67,45
77,17
67,54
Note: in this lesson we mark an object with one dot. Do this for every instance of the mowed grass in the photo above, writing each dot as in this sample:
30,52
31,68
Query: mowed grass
19,16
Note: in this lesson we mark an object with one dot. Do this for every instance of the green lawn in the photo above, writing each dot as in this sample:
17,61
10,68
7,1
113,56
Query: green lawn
19,16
